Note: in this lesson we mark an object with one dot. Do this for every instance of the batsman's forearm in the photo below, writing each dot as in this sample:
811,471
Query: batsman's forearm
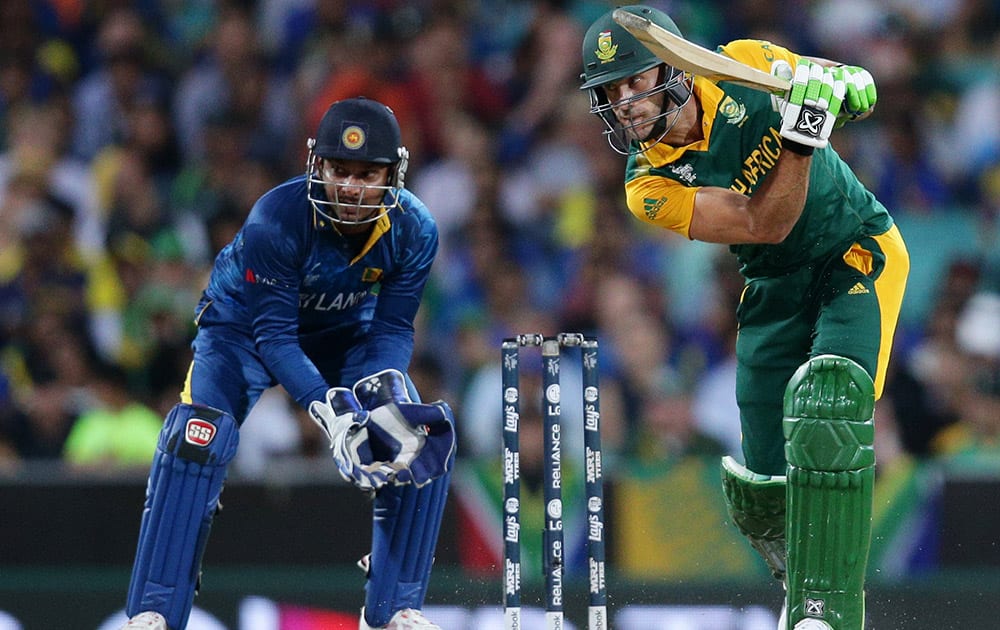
776,206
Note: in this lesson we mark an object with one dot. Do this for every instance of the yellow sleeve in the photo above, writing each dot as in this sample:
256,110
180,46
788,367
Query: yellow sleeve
661,202
758,53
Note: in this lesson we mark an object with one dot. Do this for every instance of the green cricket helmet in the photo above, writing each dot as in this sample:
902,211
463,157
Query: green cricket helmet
611,53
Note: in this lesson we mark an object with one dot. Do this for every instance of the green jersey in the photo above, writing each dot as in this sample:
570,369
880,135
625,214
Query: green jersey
740,148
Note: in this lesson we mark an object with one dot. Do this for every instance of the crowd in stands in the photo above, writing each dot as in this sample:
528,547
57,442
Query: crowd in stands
135,135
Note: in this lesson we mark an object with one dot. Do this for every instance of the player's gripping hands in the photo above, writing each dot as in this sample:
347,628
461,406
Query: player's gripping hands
860,94
809,112
379,436
345,424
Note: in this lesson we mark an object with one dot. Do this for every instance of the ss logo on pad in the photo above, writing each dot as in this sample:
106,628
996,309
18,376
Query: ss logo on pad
199,432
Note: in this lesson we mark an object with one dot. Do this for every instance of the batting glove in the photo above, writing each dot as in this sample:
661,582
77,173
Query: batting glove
860,94
811,109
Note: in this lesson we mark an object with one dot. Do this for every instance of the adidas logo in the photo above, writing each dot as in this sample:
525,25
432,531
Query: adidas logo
858,289
652,206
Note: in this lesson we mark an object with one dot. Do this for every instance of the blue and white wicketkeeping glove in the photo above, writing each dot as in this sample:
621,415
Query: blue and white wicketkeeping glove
417,440
378,435
346,425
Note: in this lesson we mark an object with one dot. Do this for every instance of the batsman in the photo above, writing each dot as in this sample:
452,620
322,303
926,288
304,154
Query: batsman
825,270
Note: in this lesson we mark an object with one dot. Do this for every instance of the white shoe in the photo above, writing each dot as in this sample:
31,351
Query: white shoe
146,621
406,619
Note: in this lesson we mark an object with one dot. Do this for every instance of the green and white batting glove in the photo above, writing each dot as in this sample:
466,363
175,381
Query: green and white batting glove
811,107
782,70
860,95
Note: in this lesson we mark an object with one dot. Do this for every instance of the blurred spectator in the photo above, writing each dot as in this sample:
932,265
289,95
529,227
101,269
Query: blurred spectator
977,334
113,431
926,384
209,186
903,176
147,140
370,60
669,429
271,432
545,66
452,183
439,56
124,71
44,270
232,75
158,322
50,370
38,149
34,64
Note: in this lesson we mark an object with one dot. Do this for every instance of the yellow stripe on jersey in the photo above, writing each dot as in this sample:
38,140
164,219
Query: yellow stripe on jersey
758,53
661,202
890,287
186,391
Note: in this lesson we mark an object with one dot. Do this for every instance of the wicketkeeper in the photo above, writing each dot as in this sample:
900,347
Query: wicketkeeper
825,270
317,292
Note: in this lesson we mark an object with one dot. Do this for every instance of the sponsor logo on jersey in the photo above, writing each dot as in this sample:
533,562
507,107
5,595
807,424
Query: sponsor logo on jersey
606,49
252,278
652,206
199,432
858,289
684,172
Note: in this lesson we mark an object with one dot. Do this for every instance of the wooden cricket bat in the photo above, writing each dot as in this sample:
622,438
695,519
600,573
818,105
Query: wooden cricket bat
689,57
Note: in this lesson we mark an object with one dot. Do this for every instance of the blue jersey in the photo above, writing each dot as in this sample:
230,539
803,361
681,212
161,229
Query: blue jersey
304,292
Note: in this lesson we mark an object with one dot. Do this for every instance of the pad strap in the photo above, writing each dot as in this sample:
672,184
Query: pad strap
196,444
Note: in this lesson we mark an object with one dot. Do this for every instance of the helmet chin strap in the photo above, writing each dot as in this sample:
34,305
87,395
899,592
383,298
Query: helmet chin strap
678,95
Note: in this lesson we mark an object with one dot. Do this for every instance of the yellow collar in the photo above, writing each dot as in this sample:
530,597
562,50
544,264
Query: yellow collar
709,96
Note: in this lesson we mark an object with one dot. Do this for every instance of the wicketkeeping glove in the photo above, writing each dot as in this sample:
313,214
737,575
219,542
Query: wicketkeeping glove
813,103
860,94
416,440
346,425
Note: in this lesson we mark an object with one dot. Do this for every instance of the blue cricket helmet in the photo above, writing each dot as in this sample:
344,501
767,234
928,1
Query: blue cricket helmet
359,129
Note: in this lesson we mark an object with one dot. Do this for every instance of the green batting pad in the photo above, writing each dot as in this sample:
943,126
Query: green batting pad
756,504
829,434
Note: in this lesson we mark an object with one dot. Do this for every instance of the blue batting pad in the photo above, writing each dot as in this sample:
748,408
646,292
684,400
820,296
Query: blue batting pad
185,481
